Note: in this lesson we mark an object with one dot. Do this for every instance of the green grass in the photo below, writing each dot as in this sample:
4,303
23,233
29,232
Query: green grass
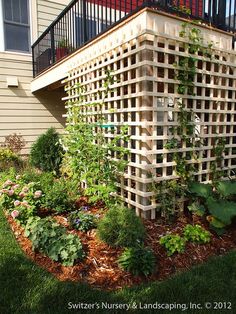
26,288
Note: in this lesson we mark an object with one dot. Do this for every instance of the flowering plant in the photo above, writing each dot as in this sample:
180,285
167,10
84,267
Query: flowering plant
19,199
81,220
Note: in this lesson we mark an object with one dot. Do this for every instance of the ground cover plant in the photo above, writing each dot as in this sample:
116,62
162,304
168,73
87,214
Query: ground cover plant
173,243
49,237
196,234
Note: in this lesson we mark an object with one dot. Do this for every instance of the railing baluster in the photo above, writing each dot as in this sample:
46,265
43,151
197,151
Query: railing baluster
234,26
84,22
222,14
34,61
84,19
120,9
106,14
111,20
52,45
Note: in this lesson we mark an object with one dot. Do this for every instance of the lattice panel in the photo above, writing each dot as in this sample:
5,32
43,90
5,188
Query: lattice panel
145,98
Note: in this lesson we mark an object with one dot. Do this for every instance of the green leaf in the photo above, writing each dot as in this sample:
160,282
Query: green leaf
222,210
64,254
200,189
197,209
216,225
215,222
226,188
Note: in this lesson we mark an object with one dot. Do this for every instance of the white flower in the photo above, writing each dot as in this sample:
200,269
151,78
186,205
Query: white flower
10,192
15,213
17,203
16,186
22,194
37,194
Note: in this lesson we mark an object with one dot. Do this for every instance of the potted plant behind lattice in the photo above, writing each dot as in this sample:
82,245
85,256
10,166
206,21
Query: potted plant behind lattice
62,49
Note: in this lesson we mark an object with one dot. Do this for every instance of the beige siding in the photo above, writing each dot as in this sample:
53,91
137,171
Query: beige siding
22,112
47,12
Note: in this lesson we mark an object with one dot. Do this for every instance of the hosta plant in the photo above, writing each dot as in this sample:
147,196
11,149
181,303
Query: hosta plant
173,243
138,260
216,203
196,234
226,189
200,189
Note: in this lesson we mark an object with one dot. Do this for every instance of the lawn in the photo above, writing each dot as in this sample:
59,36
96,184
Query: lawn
26,288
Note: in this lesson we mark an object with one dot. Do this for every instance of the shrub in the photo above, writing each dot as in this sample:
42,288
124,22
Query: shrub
51,239
196,234
173,243
121,227
9,159
82,221
57,195
46,152
30,174
138,261
15,142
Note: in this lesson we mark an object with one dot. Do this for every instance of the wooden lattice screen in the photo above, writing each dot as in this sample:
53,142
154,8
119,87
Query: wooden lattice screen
145,98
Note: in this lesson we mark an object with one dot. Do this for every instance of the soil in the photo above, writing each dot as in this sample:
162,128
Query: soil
100,268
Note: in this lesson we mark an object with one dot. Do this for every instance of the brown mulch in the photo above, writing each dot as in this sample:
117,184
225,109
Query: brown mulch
100,268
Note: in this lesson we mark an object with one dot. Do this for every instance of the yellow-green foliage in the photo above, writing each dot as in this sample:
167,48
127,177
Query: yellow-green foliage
8,158
7,155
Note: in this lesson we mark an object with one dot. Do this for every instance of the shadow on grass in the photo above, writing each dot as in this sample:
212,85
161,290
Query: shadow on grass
26,288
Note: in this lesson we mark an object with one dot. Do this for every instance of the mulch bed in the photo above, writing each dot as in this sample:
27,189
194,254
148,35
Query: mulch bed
100,268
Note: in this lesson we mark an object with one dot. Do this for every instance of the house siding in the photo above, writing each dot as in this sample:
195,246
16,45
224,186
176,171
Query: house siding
47,11
21,111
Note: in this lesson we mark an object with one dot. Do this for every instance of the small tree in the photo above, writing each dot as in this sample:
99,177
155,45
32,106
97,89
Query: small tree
46,153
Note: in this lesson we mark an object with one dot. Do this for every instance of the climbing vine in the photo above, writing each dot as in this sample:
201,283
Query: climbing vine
185,136
94,159
216,163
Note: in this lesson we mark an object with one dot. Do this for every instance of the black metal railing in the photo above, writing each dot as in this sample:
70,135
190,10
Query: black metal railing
83,20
